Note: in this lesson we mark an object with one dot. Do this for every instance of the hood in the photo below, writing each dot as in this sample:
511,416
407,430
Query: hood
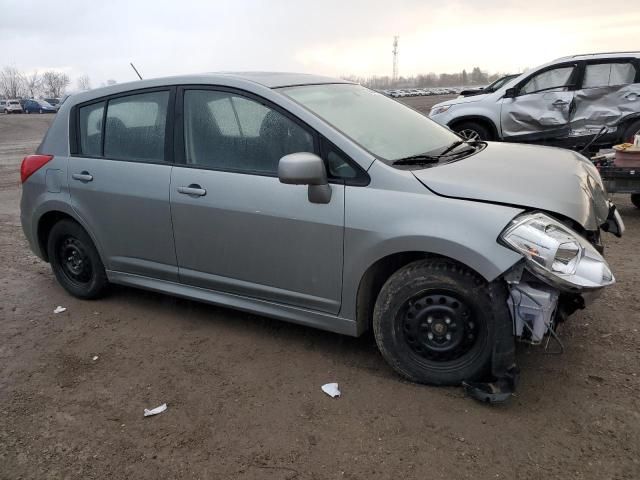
460,100
546,178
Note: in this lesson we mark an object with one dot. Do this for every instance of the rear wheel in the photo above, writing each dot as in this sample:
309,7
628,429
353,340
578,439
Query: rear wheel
434,323
635,199
631,131
75,261
473,131
40,111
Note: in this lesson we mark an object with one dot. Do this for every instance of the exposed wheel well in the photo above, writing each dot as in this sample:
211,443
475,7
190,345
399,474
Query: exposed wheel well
45,224
485,122
376,276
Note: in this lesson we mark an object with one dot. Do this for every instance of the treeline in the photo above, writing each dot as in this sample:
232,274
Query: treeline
16,84
464,78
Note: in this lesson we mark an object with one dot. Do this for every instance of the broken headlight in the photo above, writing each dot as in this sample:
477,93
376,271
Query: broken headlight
556,253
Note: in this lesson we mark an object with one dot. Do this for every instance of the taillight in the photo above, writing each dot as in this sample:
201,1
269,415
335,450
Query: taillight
31,164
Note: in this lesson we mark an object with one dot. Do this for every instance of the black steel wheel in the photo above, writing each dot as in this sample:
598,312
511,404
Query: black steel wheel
435,322
75,261
438,326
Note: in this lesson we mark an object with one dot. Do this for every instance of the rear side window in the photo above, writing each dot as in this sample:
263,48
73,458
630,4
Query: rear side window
91,129
135,127
609,74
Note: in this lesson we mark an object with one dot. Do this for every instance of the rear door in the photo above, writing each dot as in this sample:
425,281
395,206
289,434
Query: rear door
610,90
542,106
237,228
119,178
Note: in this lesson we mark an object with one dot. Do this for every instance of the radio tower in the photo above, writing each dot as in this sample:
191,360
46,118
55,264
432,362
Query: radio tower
395,59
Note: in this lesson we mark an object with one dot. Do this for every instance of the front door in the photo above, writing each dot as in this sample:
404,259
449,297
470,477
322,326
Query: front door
119,183
238,229
541,107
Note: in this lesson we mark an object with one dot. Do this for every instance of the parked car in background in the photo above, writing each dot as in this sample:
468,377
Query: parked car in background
3,103
564,103
492,87
39,106
13,106
317,201
52,101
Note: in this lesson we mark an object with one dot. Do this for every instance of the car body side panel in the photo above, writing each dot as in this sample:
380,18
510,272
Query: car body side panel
543,115
126,205
252,235
409,218
603,106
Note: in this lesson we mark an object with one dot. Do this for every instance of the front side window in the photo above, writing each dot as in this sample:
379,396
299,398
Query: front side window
225,131
381,125
135,127
608,74
557,79
91,129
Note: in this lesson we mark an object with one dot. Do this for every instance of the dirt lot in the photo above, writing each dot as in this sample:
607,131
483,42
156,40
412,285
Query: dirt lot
244,391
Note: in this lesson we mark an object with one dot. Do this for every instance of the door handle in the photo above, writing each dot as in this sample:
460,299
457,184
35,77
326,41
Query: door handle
83,176
193,189
560,103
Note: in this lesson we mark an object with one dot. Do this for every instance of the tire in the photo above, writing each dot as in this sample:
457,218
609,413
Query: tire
40,112
635,199
75,261
416,303
632,130
472,131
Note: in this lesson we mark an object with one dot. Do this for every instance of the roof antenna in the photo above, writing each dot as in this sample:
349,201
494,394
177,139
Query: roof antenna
135,70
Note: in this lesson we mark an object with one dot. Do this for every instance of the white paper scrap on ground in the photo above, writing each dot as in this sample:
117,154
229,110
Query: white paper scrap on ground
95,358
59,309
331,389
155,411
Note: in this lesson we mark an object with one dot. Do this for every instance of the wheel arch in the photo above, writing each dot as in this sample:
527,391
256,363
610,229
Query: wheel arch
484,121
48,219
377,274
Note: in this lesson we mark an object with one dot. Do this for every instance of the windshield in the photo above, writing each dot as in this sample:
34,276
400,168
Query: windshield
384,127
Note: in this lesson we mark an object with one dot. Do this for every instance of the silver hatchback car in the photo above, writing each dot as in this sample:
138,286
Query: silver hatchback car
317,201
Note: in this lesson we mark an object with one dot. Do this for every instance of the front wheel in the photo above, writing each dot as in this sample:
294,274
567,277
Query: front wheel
434,323
472,131
75,261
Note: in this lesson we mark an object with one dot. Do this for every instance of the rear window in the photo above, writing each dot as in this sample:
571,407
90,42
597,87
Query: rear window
609,74
133,129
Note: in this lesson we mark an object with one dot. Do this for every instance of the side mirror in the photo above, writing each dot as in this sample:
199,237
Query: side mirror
304,168
510,92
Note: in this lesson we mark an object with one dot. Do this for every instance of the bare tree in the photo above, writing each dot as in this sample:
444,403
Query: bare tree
12,83
33,84
84,83
55,83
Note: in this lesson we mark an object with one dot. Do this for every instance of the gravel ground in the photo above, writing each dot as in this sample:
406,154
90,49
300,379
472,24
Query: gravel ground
243,391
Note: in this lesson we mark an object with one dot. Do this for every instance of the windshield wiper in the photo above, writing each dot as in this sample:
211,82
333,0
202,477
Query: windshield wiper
424,159
418,160
451,147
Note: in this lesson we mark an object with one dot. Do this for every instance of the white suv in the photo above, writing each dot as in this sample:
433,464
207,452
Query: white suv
564,103
13,106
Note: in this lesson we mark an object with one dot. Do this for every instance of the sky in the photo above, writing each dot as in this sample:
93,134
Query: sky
329,37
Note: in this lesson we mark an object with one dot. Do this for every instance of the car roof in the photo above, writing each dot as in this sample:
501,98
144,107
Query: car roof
263,79
601,55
